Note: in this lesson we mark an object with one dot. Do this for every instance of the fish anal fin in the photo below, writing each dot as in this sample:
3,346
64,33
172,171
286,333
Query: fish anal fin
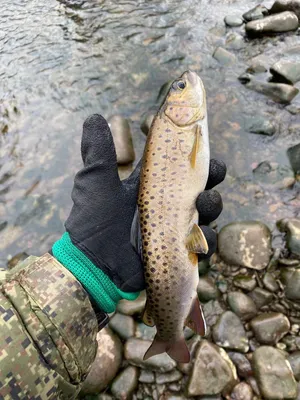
177,349
196,146
196,241
147,319
195,319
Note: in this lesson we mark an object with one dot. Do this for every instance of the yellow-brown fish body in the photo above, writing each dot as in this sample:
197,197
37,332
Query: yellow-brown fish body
175,170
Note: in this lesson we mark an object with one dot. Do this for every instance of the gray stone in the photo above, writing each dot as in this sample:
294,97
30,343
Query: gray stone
230,333
294,360
134,351
235,41
282,22
121,133
146,124
286,5
207,289
213,371
291,280
244,282
242,305
246,244
292,229
269,328
233,20
242,391
102,396
273,374
145,332
257,66
172,376
261,297
224,56
286,71
241,363
257,12
123,325
106,364
175,387
260,125
272,173
125,383
132,307
270,283
294,157
212,310
146,376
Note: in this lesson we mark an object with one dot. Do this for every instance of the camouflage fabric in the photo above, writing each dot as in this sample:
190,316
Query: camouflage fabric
47,331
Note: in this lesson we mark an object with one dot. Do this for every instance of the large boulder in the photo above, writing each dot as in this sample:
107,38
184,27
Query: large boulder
282,22
286,5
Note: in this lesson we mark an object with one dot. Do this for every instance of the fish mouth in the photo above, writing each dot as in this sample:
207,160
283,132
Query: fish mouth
191,76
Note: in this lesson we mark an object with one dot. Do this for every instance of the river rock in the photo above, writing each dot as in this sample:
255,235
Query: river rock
106,364
269,328
230,333
294,360
272,173
260,125
273,374
212,310
121,133
224,56
213,371
242,391
258,12
235,41
270,283
125,383
291,280
242,305
286,5
134,351
246,244
144,331
294,157
286,71
282,22
233,20
292,229
207,289
168,377
244,282
261,297
132,307
146,376
241,363
146,124
123,325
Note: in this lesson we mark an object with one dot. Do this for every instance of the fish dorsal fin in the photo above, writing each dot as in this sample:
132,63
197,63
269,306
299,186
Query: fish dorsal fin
147,319
196,241
196,146
195,319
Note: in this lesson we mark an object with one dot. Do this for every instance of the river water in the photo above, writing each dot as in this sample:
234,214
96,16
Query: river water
62,61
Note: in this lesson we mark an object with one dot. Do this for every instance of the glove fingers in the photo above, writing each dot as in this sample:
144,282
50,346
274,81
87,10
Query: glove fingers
217,173
209,205
211,238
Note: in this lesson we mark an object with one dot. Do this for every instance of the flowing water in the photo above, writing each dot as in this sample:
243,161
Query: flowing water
62,61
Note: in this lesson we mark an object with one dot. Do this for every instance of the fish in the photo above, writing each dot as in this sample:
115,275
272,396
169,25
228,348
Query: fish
174,172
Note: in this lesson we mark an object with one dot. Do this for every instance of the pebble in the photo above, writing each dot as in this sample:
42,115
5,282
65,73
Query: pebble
261,297
255,13
146,376
132,307
175,387
230,333
286,71
282,22
145,332
233,20
294,360
106,364
260,125
242,391
244,282
270,282
122,137
134,351
294,157
123,325
125,383
207,289
242,305
213,372
273,374
292,229
212,310
146,124
269,328
241,363
246,244
224,56
286,5
172,376
291,280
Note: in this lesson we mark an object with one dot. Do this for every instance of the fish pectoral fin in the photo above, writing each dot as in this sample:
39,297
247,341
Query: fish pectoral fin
195,319
177,349
196,146
196,241
147,319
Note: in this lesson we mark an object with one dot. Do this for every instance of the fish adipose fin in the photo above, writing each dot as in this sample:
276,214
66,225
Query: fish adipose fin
196,146
195,319
147,319
196,241
177,350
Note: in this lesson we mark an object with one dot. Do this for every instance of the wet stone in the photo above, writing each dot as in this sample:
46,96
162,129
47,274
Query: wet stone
134,351
242,391
233,20
242,305
286,71
207,289
123,325
286,5
125,383
292,229
294,360
230,333
261,297
224,56
291,281
244,282
257,67
235,41
294,157
241,363
146,376
132,307
212,310
282,22
269,328
273,374
260,125
121,133
246,244
145,332
270,283
257,12
172,376
213,372
272,173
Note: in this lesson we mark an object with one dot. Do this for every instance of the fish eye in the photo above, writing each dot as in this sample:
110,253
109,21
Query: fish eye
181,85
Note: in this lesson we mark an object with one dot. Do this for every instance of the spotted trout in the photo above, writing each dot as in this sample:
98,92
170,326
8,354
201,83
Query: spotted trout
174,171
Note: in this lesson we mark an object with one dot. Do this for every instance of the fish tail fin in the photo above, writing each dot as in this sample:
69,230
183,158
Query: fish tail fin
177,350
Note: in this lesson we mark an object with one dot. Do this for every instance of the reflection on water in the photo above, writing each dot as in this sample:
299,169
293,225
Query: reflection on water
61,61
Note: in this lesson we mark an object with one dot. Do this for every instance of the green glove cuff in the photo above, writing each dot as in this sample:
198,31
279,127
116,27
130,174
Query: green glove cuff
104,292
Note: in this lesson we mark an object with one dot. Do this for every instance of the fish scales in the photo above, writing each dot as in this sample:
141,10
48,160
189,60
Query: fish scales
170,183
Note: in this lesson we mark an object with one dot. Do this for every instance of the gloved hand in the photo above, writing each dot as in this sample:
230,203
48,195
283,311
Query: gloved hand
96,247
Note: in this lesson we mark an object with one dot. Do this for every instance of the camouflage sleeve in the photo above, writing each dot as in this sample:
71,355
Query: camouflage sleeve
47,331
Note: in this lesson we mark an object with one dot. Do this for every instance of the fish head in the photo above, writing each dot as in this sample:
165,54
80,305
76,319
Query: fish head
185,103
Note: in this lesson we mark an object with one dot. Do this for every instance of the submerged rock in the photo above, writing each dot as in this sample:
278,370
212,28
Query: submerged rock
213,371
286,71
269,328
125,383
292,229
283,22
224,56
273,374
260,125
233,20
235,41
273,173
286,5
121,133
242,305
257,12
294,157
246,244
